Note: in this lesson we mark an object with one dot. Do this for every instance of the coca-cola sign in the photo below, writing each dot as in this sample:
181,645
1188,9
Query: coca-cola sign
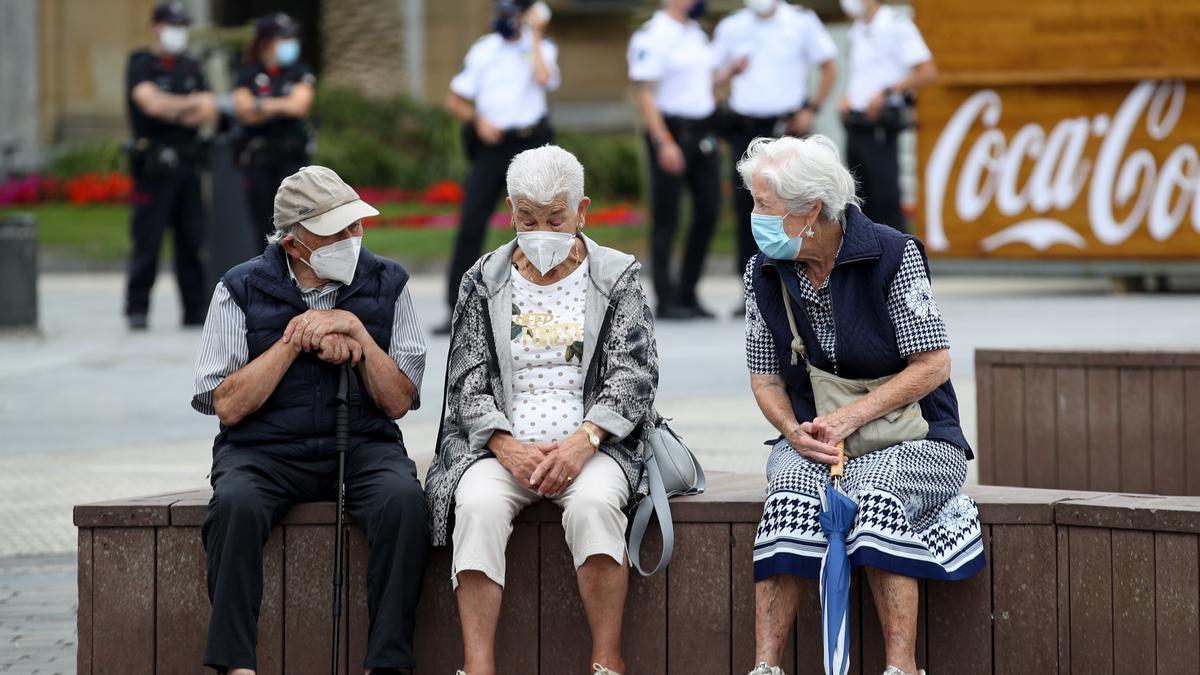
1080,185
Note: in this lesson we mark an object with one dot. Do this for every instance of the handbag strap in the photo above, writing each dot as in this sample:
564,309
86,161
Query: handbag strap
656,503
798,351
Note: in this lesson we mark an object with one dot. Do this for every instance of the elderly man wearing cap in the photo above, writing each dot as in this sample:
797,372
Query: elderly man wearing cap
277,330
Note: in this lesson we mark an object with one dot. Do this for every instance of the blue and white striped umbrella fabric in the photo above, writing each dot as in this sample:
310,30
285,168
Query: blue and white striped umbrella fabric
836,518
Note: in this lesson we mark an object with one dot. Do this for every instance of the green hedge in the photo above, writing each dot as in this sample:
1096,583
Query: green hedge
105,157
400,143
391,142
612,163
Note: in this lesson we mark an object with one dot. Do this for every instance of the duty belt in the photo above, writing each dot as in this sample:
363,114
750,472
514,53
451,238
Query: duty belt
539,127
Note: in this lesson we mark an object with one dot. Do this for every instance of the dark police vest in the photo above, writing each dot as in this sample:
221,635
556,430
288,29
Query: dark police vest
866,339
282,137
179,75
297,420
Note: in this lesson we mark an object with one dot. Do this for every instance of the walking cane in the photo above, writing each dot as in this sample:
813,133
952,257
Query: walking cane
346,397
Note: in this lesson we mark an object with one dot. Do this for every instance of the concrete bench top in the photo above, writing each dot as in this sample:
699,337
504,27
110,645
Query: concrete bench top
730,498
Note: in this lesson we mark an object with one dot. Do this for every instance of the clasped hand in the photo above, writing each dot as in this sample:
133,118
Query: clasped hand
548,468
817,440
335,335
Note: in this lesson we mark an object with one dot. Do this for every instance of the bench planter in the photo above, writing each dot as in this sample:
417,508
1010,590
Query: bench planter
1090,420
1076,582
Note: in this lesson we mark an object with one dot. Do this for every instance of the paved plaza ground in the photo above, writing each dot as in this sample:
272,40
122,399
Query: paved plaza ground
89,411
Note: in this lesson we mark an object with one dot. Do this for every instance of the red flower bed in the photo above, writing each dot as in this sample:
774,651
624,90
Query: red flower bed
30,190
92,188
445,192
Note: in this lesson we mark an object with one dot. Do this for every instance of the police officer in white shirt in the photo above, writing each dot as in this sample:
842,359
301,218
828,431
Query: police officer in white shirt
768,49
671,64
500,95
889,61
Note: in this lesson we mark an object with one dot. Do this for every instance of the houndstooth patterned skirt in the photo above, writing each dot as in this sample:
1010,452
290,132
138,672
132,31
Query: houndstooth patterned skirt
912,519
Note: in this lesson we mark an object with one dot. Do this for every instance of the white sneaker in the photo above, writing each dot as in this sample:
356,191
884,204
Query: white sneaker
763,669
893,670
598,669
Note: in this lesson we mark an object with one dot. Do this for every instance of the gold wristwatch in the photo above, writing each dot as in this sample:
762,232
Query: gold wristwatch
593,437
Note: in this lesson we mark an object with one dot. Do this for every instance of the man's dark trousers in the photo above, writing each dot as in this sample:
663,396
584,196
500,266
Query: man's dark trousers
253,490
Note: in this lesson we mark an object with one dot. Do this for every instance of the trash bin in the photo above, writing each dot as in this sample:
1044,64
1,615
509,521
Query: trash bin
18,271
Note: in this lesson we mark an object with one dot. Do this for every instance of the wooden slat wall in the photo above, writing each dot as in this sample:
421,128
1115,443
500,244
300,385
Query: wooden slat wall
123,563
182,602
1024,600
1072,422
1133,599
1076,583
83,617
1176,609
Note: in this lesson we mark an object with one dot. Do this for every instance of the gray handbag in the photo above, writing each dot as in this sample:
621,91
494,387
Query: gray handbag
671,470
832,392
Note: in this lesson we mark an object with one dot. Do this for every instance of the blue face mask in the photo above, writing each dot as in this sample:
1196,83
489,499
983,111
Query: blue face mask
698,10
772,239
287,52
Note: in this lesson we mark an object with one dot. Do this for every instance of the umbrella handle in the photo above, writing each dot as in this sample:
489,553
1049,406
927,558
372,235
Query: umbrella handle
838,470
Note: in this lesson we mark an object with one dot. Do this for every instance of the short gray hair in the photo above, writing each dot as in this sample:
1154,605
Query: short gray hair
541,174
277,235
802,172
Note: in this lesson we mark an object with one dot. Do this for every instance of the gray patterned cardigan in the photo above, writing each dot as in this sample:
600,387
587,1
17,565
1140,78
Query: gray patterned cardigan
619,386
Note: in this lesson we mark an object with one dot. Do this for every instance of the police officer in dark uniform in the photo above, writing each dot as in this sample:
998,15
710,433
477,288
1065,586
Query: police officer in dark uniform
500,95
168,100
272,98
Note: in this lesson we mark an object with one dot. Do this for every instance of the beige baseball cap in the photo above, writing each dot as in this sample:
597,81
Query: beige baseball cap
319,200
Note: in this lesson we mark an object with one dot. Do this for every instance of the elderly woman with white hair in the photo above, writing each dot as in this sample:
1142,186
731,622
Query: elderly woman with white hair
851,297
552,373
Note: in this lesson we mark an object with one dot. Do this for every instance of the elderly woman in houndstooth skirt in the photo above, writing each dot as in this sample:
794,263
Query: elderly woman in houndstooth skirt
864,309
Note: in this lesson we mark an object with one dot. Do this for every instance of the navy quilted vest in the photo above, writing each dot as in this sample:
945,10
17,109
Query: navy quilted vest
866,339
298,419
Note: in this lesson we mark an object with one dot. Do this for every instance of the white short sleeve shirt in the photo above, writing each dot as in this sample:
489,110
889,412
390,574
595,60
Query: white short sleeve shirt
497,76
781,48
547,348
881,54
678,59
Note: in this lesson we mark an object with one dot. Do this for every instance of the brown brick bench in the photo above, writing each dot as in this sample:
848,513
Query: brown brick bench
1076,583
1113,421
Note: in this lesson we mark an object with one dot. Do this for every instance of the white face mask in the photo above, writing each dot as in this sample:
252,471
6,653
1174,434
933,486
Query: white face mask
173,39
546,250
853,8
760,7
336,261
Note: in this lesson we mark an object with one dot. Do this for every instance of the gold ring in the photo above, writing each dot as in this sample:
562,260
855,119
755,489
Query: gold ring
570,478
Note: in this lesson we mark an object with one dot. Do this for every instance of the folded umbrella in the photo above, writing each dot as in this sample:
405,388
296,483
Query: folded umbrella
836,518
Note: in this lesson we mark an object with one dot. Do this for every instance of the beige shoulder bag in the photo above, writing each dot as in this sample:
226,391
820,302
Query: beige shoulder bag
831,392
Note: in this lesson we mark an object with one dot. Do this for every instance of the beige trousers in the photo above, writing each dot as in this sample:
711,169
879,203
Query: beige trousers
488,498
